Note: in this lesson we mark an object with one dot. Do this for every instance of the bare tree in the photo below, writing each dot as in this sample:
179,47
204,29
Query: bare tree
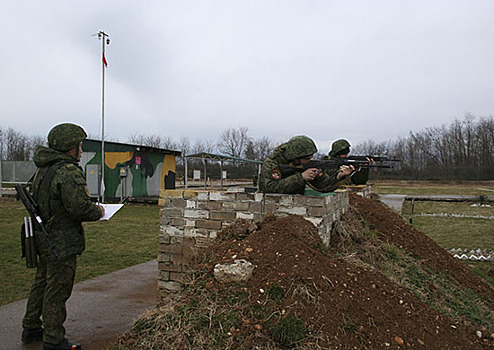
155,141
184,145
203,146
233,142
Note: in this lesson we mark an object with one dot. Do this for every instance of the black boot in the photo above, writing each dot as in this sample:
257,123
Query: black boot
31,335
64,345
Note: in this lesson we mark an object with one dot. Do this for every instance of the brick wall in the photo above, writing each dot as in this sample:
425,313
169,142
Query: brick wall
191,219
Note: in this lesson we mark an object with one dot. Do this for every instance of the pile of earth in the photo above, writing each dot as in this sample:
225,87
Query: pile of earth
351,295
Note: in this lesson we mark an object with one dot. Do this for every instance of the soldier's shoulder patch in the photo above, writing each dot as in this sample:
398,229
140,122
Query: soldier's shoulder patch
276,174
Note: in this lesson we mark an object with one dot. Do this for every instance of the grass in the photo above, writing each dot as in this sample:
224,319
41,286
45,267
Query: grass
450,232
430,207
477,188
435,289
129,238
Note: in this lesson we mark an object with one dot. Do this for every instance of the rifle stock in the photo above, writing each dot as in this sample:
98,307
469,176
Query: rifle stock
32,208
334,163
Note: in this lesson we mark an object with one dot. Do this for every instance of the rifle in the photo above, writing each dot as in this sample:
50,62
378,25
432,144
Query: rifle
375,158
333,163
32,207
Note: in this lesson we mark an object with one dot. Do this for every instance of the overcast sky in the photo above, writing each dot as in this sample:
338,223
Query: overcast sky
363,70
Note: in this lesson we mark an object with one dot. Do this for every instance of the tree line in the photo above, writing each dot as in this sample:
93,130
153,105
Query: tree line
462,150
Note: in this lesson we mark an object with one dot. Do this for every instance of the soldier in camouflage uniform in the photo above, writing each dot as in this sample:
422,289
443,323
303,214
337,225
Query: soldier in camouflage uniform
59,188
346,174
297,151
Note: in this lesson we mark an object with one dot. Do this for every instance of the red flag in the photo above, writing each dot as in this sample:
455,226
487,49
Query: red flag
104,60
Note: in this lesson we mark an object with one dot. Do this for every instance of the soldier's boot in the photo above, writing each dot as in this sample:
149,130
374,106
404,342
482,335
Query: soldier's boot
31,335
64,345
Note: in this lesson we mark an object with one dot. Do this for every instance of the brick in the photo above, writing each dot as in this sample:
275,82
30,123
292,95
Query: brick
244,196
190,203
286,199
163,257
177,222
177,276
293,210
196,232
164,239
222,215
171,230
270,207
203,242
172,212
316,211
170,248
272,197
210,205
255,207
193,213
309,201
208,224
236,205
165,220
175,202
221,196
315,221
170,286
177,240
246,216
170,193
202,195
164,276
169,266
258,197
190,223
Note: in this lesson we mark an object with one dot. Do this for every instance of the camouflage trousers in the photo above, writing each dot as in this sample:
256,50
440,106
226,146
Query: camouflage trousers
50,290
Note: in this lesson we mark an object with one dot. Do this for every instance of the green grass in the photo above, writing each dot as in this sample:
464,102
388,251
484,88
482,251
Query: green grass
457,232
449,232
435,289
430,207
129,238
485,188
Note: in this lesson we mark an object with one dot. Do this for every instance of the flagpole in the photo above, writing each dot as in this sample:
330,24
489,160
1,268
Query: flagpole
105,40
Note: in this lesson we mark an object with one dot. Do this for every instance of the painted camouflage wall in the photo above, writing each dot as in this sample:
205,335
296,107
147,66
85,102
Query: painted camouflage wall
148,169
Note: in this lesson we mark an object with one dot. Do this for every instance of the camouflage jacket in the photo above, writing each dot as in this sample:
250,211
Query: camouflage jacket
63,202
270,182
358,177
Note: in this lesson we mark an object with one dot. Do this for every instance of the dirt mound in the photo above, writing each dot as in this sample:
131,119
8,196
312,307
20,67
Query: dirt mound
308,296
392,228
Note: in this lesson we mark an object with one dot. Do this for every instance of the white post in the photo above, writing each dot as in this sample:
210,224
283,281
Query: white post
105,40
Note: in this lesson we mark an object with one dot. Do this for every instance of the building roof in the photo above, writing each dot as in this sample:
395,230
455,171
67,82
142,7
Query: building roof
95,146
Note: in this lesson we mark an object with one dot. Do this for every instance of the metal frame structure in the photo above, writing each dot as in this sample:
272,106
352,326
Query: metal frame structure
204,156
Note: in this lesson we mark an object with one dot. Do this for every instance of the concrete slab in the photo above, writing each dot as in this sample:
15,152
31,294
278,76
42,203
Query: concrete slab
394,201
98,310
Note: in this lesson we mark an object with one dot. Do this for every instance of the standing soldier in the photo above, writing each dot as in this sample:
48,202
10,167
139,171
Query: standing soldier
59,188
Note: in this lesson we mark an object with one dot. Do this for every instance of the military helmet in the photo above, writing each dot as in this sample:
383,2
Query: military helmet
299,147
64,137
338,147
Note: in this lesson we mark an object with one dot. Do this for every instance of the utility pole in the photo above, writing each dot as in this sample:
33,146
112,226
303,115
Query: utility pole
105,40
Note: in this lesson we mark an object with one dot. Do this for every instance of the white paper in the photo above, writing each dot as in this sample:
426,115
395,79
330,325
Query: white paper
110,210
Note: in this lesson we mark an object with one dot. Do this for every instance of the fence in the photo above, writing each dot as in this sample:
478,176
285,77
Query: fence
15,172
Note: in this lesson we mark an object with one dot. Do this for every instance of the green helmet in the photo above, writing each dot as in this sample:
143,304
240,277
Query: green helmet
299,147
64,137
338,147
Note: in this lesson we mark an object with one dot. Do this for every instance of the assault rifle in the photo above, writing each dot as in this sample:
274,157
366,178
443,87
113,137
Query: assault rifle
32,208
333,163
374,158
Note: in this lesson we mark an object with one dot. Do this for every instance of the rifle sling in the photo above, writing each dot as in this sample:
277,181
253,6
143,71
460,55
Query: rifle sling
46,179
